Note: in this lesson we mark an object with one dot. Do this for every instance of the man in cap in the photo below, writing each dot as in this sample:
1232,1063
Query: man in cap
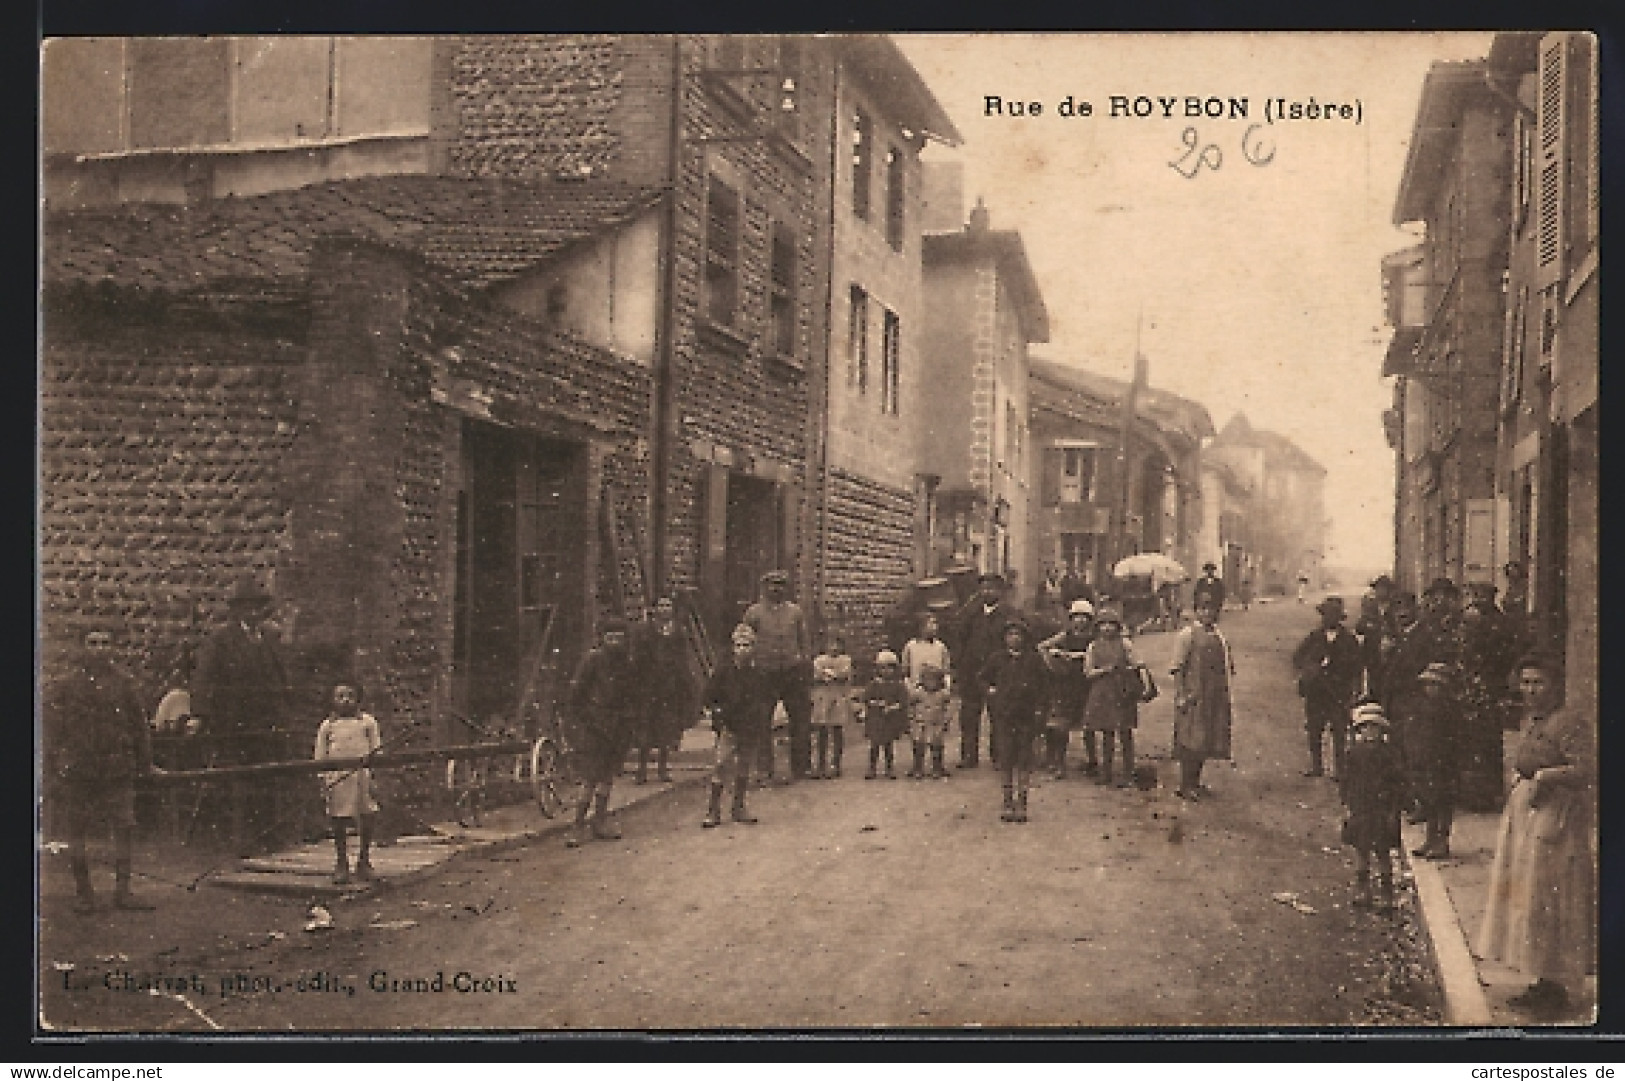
1328,664
1018,697
606,700
1433,733
740,704
784,655
1432,639
1372,787
241,691
97,746
981,635
1209,587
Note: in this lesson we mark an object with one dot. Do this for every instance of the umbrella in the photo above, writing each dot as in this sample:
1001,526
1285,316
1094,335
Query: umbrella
1161,568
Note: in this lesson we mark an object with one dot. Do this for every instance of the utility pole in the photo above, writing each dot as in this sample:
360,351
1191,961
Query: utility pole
1117,540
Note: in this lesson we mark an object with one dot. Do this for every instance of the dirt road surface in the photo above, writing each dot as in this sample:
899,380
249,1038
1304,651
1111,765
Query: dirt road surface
852,903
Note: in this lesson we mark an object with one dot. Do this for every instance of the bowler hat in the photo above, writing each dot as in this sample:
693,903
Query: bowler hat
1108,614
1331,606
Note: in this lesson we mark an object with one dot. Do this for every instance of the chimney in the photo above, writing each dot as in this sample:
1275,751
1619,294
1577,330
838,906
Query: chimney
979,222
942,199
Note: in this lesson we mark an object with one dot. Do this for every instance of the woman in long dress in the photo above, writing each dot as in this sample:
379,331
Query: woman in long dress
1202,670
1541,913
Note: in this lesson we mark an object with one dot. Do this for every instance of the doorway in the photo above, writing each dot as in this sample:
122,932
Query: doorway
518,572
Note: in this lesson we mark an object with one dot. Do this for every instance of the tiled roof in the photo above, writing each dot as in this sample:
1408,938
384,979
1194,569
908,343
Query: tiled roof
1167,410
476,231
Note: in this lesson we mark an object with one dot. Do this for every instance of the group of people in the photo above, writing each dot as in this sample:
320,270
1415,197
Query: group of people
1412,698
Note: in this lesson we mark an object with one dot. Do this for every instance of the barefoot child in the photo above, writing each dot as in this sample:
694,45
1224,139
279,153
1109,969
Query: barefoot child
349,733
1372,786
831,707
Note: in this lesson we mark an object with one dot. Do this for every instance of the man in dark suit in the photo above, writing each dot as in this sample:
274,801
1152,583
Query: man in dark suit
1328,663
1209,587
241,690
980,635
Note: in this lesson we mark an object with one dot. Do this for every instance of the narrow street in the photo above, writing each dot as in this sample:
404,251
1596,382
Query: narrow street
853,903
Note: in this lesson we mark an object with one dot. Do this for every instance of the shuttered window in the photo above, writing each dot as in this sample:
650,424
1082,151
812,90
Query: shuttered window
1551,137
891,364
721,253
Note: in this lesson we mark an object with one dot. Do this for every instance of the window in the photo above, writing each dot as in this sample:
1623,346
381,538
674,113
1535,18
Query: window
782,292
895,196
857,340
721,253
1077,475
891,362
863,149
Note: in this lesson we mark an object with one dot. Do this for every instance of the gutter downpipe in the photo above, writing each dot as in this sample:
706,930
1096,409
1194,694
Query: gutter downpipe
666,356
819,396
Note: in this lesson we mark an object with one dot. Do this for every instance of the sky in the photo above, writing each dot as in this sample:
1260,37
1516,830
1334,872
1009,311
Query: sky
1252,288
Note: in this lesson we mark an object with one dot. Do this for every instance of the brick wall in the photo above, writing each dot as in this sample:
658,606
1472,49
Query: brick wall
868,557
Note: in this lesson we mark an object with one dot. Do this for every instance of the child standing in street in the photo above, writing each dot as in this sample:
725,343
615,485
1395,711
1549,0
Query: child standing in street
886,715
928,720
831,707
1018,697
349,733
1373,789
1115,688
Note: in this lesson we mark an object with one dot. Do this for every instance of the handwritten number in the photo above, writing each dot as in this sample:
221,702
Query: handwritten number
1252,149
1209,155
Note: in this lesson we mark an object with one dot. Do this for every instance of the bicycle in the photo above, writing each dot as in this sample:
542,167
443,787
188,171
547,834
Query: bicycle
552,768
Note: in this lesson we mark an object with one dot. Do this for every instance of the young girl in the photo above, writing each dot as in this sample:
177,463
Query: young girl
349,733
1202,670
928,717
1113,708
831,706
883,721
1372,786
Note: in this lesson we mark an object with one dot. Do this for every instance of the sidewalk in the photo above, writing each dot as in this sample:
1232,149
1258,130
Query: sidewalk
1451,896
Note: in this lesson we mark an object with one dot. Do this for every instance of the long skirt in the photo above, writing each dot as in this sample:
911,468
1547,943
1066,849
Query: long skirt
1540,918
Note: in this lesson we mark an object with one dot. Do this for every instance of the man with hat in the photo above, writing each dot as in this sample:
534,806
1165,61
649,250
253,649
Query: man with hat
1328,664
784,655
97,745
1209,587
1432,639
981,635
1064,653
606,700
241,690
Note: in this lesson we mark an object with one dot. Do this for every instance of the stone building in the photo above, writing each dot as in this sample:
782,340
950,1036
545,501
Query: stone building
460,341
983,307
1077,428
1546,492
1448,309
1285,506
875,504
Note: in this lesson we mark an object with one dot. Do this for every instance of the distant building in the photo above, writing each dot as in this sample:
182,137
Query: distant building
983,307
1285,526
1077,425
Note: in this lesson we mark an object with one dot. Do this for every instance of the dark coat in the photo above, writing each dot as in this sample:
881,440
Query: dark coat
660,664
1210,587
1373,789
606,699
885,713
1428,642
1019,683
740,700
1329,672
241,685
980,636
95,726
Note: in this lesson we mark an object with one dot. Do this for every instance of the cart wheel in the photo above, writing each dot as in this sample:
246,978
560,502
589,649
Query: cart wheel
545,777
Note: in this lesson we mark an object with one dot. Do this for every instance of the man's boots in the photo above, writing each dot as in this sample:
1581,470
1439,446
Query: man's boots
604,827
713,816
1009,812
1316,768
917,770
1021,805
938,768
739,812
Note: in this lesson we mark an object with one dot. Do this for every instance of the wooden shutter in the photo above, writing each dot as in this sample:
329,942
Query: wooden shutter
1050,486
1551,159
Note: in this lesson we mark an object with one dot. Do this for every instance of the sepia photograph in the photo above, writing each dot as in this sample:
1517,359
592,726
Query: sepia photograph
1064,533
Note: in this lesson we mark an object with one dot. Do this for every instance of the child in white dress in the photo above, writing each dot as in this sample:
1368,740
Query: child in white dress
832,706
349,733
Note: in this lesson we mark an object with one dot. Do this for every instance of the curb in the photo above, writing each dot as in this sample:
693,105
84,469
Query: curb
1464,1001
